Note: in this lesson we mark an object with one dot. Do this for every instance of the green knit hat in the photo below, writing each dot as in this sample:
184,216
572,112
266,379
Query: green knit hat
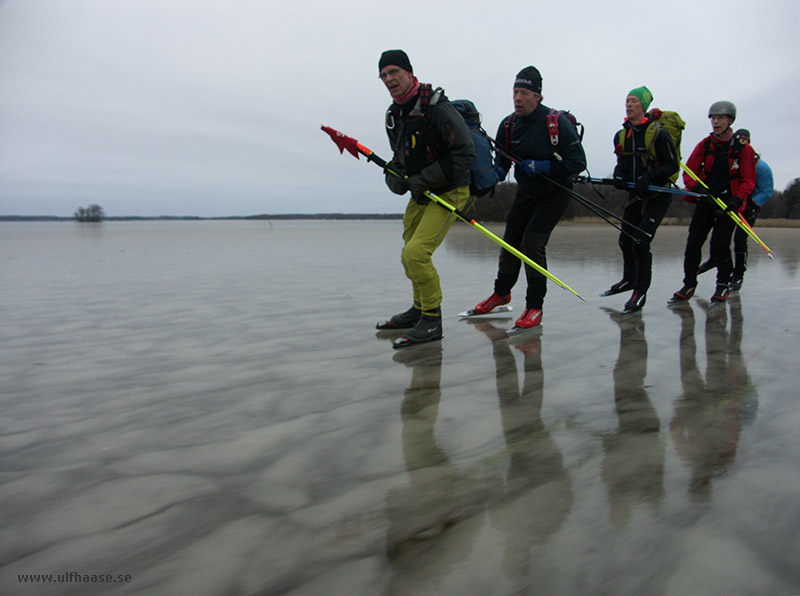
644,94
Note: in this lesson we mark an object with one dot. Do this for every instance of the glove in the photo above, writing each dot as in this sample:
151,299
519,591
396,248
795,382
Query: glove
619,181
418,186
699,189
534,167
751,211
396,184
434,176
732,202
640,188
501,174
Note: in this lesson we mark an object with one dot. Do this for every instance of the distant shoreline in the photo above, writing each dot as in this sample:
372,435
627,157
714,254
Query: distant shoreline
350,216
669,221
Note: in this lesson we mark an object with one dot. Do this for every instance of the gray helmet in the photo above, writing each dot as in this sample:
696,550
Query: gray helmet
722,108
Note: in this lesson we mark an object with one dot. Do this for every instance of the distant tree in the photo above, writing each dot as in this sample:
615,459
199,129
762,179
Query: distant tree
90,213
599,198
775,207
792,196
494,207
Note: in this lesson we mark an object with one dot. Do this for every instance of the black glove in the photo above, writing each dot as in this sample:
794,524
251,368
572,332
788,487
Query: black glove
732,202
395,183
418,186
434,176
751,211
640,188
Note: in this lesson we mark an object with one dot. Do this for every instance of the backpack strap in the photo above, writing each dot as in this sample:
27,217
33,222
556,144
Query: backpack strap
650,139
706,152
509,124
425,93
428,97
552,126
552,130
619,142
732,153
734,149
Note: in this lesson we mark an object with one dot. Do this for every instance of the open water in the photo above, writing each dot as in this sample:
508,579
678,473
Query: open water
206,408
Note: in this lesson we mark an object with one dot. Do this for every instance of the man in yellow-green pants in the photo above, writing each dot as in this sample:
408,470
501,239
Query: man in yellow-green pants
433,148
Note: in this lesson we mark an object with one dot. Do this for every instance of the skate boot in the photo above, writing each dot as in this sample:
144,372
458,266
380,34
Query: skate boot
403,320
532,317
618,288
491,303
428,328
736,284
636,302
720,294
682,295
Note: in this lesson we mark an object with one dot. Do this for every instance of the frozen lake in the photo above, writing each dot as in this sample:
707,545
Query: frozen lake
206,408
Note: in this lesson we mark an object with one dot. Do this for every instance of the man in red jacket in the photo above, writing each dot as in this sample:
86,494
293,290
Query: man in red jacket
728,169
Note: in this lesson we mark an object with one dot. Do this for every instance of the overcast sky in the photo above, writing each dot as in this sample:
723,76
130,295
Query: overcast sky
214,107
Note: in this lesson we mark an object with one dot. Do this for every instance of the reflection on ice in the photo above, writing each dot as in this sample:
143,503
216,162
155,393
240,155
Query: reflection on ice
195,405
707,422
634,453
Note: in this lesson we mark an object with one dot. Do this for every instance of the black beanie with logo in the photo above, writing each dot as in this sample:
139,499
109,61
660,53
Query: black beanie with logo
529,78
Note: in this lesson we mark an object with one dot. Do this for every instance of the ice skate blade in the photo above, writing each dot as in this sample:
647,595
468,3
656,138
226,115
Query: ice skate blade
405,342
495,311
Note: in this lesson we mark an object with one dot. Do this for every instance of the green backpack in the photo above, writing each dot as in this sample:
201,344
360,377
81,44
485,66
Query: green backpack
669,121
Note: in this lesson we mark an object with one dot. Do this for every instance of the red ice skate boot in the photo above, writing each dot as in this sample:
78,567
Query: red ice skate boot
491,303
532,317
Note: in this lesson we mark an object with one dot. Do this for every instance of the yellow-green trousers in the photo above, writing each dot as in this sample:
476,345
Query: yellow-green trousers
424,229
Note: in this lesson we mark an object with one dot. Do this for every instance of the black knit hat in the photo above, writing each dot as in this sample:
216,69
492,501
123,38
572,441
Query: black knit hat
529,78
395,57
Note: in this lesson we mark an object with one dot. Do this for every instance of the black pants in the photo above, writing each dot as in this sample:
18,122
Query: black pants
528,226
708,217
637,260
740,244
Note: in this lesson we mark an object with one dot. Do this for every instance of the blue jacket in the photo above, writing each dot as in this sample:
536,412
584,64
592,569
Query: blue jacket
763,190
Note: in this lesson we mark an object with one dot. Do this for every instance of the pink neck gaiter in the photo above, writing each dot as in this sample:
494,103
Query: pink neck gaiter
412,91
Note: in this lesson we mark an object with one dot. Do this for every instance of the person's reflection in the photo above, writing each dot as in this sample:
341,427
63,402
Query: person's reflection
432,520
739,378
633,455
707,420
535,494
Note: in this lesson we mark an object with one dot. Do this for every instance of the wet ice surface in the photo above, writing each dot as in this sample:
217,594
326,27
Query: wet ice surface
207,407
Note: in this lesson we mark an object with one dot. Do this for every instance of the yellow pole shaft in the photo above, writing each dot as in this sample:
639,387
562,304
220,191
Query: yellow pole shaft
520,255
734,216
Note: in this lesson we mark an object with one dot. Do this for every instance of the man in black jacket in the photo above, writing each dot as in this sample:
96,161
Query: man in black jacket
546,146
646,155
433,150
